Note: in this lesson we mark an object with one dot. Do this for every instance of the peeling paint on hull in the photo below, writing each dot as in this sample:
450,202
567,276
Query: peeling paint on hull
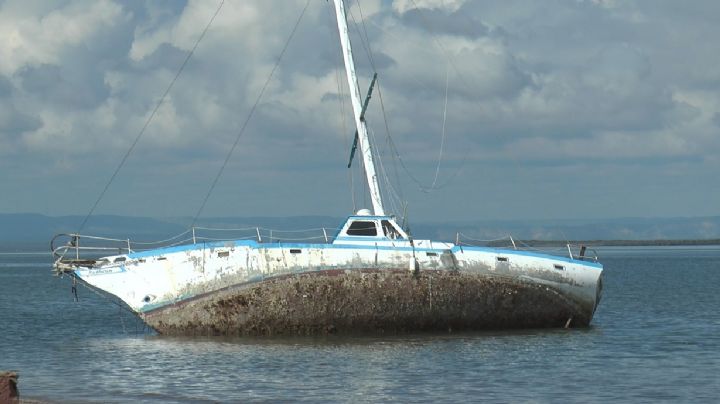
351,285
371,301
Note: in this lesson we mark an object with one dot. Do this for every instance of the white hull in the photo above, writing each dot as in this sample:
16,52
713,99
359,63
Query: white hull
175,289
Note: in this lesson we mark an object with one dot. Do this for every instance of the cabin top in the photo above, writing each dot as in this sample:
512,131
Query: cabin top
362,227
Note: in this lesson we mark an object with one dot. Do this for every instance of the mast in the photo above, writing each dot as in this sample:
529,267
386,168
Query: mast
357,110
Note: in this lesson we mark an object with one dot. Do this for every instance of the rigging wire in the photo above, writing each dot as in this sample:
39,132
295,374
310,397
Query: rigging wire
150,118
450,60
343,128
394,151
365,42
368,52
366,189
428,26
250,114
365,38
395,200
104,295
442,140
347,135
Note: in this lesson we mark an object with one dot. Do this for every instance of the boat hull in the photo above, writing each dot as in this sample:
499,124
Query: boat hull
371,301
249,288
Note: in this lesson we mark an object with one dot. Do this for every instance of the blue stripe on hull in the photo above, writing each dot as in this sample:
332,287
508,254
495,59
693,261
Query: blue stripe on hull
254,245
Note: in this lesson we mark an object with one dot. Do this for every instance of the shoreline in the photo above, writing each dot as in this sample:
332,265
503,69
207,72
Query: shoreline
33,248
619,243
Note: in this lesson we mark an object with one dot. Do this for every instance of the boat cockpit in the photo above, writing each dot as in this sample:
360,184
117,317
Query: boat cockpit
369,228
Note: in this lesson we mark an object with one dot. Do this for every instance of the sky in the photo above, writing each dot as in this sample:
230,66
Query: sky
497,110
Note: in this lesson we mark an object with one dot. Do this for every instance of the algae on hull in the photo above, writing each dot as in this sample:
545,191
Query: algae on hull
371,301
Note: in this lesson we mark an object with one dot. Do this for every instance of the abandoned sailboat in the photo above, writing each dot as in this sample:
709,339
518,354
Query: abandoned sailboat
370,276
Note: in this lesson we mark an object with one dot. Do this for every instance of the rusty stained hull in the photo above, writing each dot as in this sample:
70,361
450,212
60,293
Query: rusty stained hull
371,301
246,288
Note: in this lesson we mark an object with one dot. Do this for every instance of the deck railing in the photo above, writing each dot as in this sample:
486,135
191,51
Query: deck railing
574,251
72,249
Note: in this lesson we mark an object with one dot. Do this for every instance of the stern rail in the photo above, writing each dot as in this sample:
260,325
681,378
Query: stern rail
73,250
578,252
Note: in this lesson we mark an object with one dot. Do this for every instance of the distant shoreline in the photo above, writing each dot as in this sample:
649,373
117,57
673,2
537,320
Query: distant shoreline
674,231
36,247
617,243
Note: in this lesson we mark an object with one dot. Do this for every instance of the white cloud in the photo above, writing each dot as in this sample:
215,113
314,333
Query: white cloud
402,6
552,86
36,39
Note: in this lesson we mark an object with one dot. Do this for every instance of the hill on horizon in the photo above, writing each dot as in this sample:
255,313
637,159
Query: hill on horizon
31,227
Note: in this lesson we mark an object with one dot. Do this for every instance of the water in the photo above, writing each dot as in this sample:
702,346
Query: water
655,337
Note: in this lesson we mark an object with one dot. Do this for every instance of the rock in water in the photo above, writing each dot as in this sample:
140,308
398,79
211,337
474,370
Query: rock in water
8,387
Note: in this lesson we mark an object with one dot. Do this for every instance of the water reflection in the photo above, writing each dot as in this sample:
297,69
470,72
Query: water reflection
656,336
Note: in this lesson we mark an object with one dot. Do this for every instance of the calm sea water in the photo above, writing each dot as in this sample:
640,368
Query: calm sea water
655,337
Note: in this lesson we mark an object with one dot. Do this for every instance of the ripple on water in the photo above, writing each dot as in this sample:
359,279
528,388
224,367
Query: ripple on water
656,336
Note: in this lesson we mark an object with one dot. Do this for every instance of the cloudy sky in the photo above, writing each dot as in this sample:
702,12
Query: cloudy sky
552,109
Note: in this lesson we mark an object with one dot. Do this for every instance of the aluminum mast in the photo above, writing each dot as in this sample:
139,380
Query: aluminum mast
357,109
